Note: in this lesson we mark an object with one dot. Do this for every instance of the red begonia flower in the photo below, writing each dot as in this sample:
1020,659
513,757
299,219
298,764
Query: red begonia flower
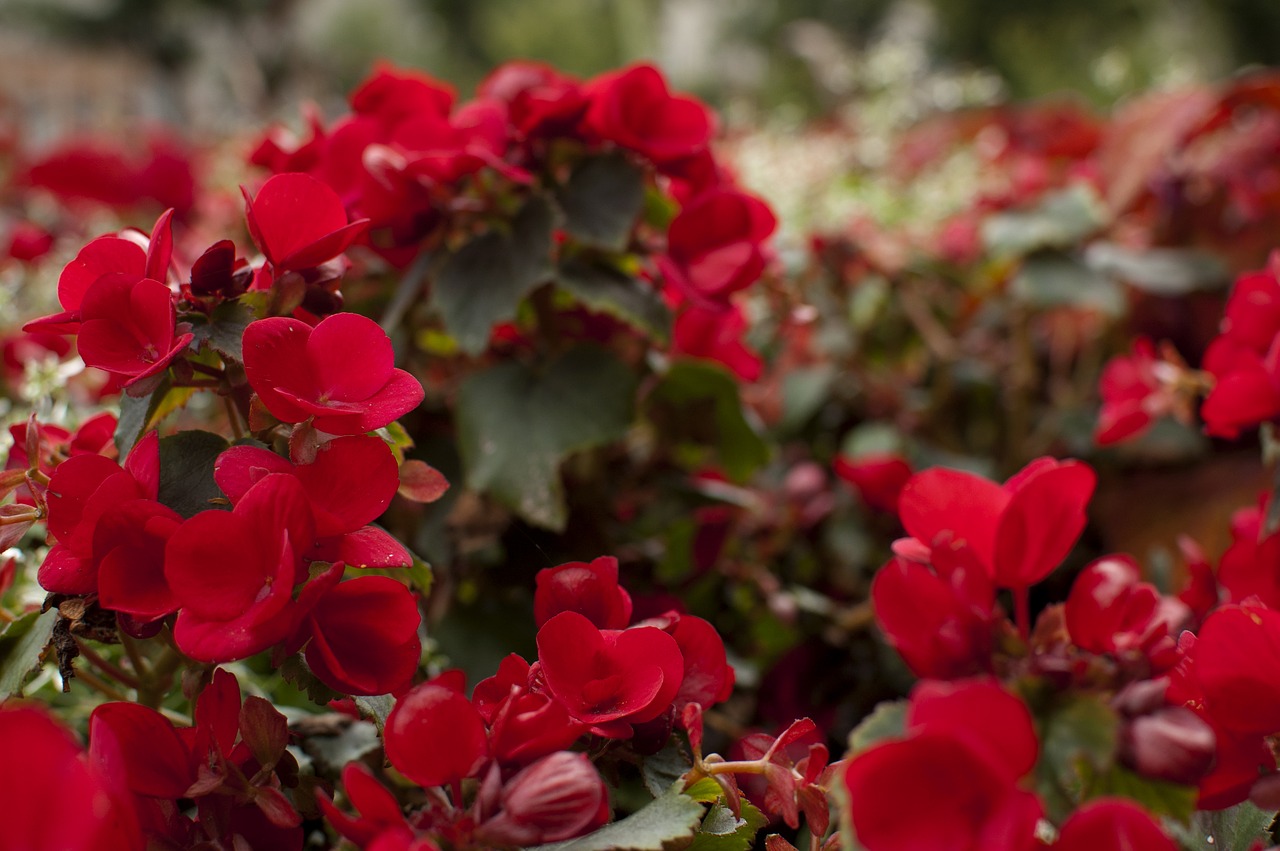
715,245
708,677
1112,824
28,242
107,256
128,546
434,736
1236,653
127,327
341,372
1243,358
233,572
981,713
973,806
528,725
1131,393
609,678
1248,567
299,222
379,811
391,93
141,746
1110,610
716,334
633,108
364,636
350,483
539,98
1021,531
81,490
878,478
559,797
590,589
941,615
42,757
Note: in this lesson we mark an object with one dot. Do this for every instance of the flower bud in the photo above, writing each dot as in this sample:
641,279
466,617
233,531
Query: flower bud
559,797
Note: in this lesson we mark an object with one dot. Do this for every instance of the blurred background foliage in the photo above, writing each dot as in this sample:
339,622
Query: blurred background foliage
207,63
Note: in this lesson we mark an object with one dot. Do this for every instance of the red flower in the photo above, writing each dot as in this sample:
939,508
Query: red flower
539,98
81,491
1236,653
1243,357
715,245
1110,610
363,636
1021,531
968,745
128,546
29,242
879,478
380,819
1112,824
349,485
299,222
939,614
1248,567
391,93
590,589
233,572
609,678
127,327
341,372
633,108
972,805
1132,395
103,257
434,736
708,676
42,757
716,335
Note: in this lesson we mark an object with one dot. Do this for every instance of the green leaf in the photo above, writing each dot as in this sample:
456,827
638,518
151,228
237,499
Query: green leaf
1233,829
697,409
517,424
723,831
887,721
602,200
1078,739
21,644
1160,271
136,415
1060,220
377,707
804,392
1172,800
355,741
618,294
484,281
665,823
186,471
1049,279
295,670
225,330
665,767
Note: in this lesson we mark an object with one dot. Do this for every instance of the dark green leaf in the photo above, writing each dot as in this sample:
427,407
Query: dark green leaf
1234,829
517,425
484,281
186,471
21,644
664,768
295,670
697,410
1050,279
666,823
1060,220
225,330
1160,271
723,831
136,414
377,707
803,393
1078,739
887,721
354,742
602,200
618,294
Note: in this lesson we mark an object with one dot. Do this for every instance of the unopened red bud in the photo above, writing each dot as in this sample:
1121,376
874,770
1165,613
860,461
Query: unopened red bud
559,797
1171,744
